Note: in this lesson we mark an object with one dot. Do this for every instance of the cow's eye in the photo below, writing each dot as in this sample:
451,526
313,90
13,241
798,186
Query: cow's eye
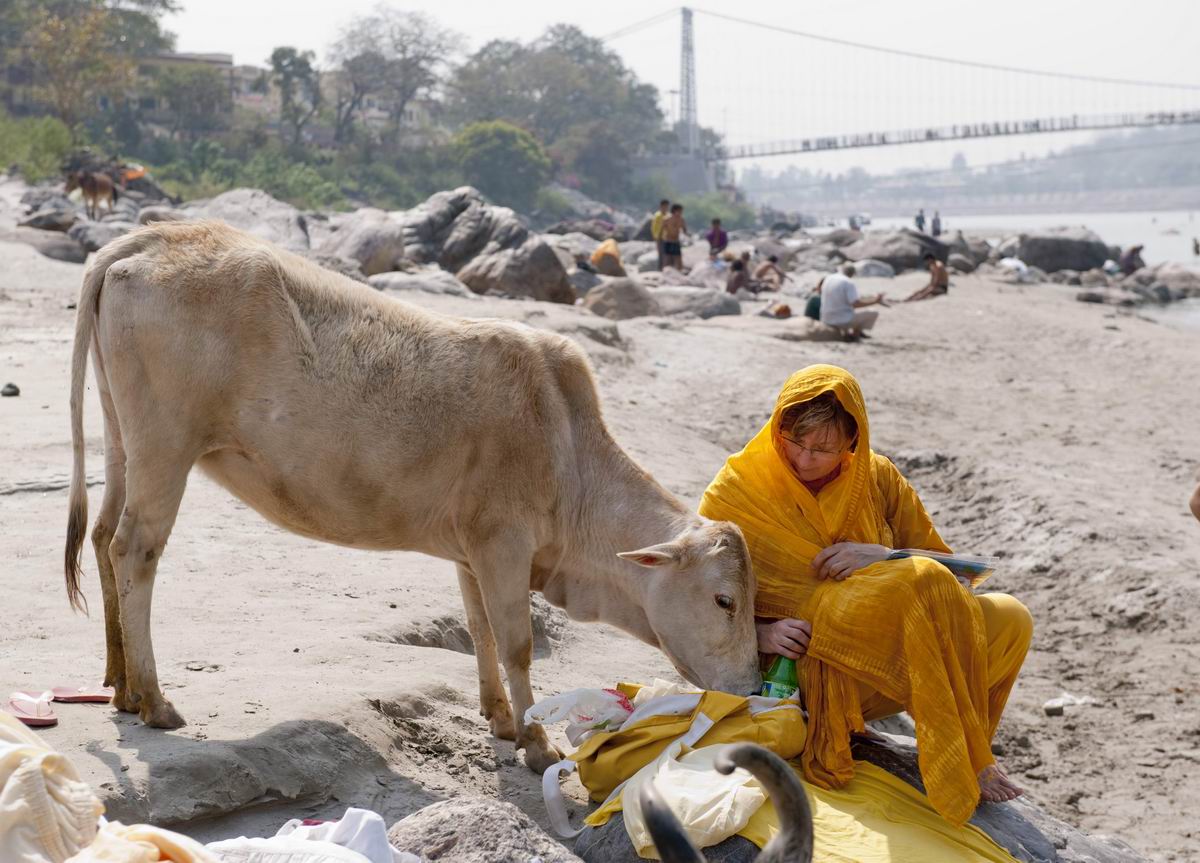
724,601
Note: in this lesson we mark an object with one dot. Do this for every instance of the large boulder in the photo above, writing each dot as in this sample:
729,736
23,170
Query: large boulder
52,216
430,280
257,213
597,229
1027,832
620,299
371,237
903,249
869,268
960,263
580,206
530,270
487,247
839,237
93,235
976,249
476,830
696,302
1058,249
52,244
644,231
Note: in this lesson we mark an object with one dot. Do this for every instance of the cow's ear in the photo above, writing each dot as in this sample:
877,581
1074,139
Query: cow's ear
663,554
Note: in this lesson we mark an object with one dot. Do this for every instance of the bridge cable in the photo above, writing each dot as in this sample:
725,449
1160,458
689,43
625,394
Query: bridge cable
950,60
633,28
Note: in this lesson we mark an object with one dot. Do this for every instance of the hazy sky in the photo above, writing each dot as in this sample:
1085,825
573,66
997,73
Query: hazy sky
756,85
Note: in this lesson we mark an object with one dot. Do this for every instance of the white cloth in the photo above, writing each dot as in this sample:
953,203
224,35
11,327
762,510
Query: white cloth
282,849
710,806
47,813
142,843
838,295
359,830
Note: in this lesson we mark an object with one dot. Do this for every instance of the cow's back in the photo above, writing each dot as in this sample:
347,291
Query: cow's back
336,411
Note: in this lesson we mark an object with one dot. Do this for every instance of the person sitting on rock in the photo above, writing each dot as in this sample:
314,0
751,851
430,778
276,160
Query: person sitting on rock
821,513
812,306
841,307
769,275
939,280
738,279
1131,260
673,229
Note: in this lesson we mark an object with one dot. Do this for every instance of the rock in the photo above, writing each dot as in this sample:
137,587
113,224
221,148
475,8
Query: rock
869,268
93,235
124,210
783,252
583,207
823,257
610,266
430,280
255,212
1065,277
648,262
371,237
1143,715
975,249
338,264
643,232
960,263
486,247
531,270
52,244
1110,296
632,250
904,249
51,217
476,830
621,299
1053,707
1058,249
839,237
1027,832
1094,278
44,195
150,215
583,281
9,390
698,302
575,244
597,229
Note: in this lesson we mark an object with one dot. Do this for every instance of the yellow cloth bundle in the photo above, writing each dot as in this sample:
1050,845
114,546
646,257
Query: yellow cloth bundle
906,628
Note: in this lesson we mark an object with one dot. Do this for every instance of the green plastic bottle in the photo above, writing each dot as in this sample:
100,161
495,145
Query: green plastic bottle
780,680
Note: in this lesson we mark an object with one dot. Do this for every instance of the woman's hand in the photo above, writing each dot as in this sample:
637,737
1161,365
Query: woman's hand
843,558
787,637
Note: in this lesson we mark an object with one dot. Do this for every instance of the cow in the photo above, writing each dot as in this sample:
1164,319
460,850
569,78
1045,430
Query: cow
96,187
347,416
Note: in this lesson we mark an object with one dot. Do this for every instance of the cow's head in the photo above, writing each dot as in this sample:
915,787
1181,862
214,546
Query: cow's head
700,604
74,181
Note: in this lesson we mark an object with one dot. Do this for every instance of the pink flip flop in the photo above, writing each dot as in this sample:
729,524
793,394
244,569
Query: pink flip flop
90,694
33,708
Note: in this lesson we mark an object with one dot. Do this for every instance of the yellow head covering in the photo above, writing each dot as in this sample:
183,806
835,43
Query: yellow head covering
905,627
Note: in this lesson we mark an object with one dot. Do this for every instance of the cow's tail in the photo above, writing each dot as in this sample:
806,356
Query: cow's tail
85,328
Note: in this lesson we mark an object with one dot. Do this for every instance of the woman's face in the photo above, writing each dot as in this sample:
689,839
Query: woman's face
816,454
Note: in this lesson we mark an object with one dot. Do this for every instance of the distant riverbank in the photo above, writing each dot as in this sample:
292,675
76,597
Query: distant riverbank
1166,234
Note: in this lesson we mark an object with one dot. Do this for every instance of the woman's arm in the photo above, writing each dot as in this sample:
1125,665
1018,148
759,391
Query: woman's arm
906,516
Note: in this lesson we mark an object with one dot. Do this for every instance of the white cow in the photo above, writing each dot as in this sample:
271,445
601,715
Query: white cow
346,416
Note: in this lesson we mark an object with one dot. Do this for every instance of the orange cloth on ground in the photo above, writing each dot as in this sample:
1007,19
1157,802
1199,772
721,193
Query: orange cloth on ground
607,249
905,629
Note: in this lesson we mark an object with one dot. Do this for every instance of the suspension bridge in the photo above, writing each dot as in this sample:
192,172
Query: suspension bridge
804,92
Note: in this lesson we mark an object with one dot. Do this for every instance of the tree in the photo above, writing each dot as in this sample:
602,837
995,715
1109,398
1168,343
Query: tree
400,55
357,76
566,88
504,161
299,85
199,100
75,62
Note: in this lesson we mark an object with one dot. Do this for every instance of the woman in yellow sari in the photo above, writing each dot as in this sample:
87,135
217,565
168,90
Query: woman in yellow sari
821,513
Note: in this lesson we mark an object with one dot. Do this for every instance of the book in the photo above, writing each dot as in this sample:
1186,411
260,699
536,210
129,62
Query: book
977,568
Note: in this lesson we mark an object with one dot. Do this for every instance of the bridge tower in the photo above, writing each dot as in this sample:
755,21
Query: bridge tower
687,86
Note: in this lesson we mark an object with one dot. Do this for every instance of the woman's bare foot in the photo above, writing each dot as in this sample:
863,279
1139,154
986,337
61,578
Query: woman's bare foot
995,787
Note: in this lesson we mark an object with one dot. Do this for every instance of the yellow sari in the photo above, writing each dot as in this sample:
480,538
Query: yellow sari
906,628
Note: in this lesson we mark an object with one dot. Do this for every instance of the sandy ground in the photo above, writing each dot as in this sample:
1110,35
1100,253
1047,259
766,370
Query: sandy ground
1059,435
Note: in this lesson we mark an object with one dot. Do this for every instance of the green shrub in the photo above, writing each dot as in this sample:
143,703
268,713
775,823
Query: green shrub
551,206
503,161
36,146
700,210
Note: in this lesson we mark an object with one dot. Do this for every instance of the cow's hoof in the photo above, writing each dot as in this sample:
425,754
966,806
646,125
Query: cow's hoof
503,725
540,756
161,714
123,699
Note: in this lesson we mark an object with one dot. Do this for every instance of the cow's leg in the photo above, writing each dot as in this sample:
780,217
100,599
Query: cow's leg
493,701
503,569
102,534
154,488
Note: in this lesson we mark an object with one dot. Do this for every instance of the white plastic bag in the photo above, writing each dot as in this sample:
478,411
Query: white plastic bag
587,711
